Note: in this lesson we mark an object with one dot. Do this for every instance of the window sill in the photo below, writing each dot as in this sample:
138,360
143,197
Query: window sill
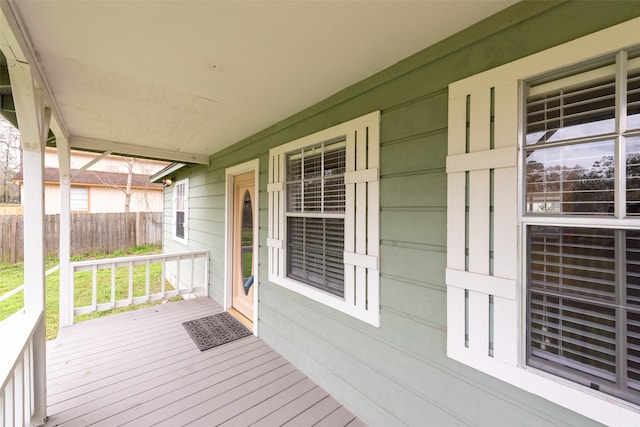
181,241
326,298
590,403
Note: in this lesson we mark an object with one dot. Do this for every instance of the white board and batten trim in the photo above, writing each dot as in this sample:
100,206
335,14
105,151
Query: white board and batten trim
469,282
361,220
230,173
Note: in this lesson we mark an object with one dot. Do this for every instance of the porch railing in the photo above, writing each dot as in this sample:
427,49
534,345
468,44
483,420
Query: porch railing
184,273
21,377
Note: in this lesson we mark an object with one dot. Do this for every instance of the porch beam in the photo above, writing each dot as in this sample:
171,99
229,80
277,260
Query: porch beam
99,145
88,164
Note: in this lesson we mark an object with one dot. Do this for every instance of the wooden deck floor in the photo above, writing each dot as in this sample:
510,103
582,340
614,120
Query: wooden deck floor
141,368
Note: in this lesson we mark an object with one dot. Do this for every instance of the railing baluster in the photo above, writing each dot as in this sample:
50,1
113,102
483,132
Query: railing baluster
2,411
193,271
9,418
113,285
94,287
32,397
18,392
163,288
148,280
130,282
177,284
28,383
205,283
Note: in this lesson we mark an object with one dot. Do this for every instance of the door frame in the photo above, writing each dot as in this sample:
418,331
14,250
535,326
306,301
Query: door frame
230,174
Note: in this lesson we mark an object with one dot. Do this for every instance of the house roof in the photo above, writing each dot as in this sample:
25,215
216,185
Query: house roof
96,178
182,80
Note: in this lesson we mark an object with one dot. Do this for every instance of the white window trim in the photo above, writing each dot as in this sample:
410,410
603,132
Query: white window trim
184,240
362,226
509,360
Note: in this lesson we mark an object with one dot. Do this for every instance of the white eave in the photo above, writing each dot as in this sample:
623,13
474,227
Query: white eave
169,170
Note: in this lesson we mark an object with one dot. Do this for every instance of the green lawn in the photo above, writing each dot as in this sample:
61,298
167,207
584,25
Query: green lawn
11,276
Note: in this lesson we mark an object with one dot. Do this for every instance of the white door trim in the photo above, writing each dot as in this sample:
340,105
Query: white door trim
230,173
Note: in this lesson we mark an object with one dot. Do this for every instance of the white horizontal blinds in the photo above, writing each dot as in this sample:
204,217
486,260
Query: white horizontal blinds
79,199
573,111
583,317
564,177
633,97
315,215
362,222
275,239
180,195
582,325
632,296
632,145
482,220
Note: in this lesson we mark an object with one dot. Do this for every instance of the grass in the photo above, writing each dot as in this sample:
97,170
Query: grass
11,276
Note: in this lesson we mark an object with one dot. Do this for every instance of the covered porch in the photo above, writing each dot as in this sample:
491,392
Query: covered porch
99,78
143,368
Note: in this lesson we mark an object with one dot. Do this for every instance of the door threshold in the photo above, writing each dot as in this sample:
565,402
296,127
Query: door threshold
241,318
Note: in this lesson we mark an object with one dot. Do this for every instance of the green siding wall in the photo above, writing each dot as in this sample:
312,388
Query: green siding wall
399,373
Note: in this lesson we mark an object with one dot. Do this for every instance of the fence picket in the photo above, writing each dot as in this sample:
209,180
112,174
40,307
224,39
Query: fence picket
90,233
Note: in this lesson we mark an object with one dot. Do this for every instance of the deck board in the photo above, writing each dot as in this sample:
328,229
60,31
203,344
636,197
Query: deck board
142,368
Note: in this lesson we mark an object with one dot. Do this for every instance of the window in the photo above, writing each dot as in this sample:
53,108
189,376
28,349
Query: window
181,211
324,217
543,249
79,199
315,215
582,168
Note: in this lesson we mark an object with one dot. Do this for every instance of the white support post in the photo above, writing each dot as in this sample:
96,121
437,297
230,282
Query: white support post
66,303
33,163
33,122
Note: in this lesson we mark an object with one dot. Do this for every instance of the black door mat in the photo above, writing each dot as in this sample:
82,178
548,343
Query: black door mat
212,331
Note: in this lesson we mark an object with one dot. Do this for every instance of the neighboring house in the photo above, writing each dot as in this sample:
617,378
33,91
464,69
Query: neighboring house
101,188
453,240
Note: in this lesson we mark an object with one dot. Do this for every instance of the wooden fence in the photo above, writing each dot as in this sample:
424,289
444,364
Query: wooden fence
90,233
11,209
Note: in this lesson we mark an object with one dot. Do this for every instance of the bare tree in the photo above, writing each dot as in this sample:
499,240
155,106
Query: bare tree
131,165
10,160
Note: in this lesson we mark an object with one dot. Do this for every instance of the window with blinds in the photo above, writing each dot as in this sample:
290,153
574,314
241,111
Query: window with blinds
323,224
581,197
79,199
180,210
315,215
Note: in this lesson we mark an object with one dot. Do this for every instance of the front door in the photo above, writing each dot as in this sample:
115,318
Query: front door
243,286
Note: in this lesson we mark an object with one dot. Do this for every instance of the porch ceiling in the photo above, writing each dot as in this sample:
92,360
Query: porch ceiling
193,77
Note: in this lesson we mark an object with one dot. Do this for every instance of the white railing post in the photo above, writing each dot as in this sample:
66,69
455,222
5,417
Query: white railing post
39,366
66,315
